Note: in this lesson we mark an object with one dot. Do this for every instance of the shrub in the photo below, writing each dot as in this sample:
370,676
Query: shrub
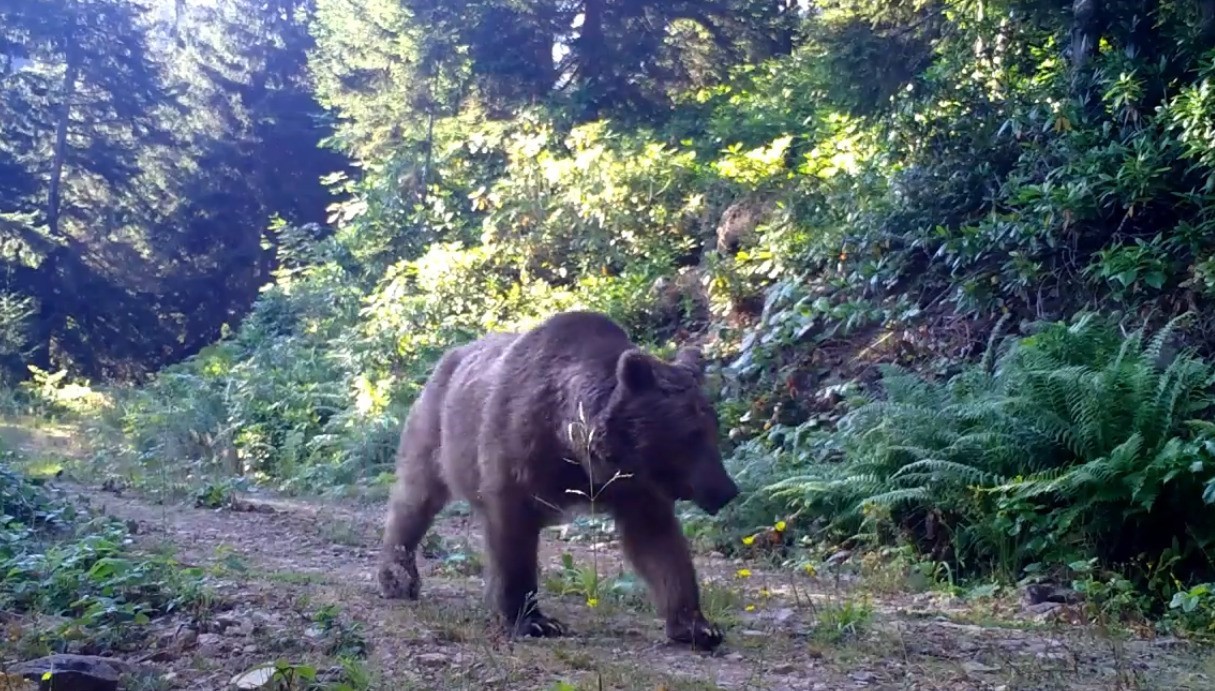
1075,442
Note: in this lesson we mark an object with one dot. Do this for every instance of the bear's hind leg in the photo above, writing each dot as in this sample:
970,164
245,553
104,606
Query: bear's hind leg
414,504
512,537
654,543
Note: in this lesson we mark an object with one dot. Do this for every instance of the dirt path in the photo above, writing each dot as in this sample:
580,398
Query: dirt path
279,568
279,562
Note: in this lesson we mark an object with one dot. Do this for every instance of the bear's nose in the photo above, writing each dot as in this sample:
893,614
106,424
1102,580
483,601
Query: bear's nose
719,497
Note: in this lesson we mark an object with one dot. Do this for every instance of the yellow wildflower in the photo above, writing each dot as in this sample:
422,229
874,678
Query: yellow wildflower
592,602
780,526
748,540
750,608
744,573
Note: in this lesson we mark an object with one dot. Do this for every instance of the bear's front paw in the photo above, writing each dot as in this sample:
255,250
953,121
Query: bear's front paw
699,632
399,582
540,626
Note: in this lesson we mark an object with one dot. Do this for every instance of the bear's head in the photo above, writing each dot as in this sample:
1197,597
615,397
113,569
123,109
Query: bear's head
660,425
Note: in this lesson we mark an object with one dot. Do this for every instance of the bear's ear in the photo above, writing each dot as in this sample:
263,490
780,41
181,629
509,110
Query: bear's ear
691,359
635,370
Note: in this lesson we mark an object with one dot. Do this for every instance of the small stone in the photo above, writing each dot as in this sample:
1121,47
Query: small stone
187,638
784,669
227,620
180,638
256,678
735,657
210,644
433,660
863,677
782,615
972,667
73,672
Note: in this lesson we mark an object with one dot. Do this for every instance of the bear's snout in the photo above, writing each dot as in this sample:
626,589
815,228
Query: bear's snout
713,497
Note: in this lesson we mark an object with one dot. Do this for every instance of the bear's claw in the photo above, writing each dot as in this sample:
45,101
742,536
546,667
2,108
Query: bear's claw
702,635
540,626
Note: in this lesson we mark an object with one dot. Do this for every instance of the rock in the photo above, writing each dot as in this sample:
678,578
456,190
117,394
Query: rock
210,644
187,638
73,672
232,624
863,677
972,667
784,669
1044,611
256,678
781,615
180,638
433,660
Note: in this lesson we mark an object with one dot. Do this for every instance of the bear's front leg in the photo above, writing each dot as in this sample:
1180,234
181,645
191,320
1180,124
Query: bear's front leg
512,536
655,545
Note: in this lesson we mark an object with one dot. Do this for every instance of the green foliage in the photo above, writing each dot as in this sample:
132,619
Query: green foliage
61,563
1076,442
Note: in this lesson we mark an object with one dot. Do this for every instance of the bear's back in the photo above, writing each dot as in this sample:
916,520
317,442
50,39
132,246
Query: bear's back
537,387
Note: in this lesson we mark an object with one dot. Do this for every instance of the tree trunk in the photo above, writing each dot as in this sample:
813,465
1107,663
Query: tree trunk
1086,31
55,188
1206,23
591,52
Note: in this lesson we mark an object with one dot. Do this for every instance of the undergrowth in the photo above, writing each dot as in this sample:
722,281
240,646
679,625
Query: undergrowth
1075,454
73,582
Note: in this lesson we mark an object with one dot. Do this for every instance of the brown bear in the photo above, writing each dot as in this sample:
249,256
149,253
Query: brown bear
497,425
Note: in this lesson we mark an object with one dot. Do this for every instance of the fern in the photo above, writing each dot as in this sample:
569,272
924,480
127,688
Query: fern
1076,430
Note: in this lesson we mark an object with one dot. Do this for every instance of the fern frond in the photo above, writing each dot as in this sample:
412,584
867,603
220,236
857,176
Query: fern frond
898,496
948,471
1158,342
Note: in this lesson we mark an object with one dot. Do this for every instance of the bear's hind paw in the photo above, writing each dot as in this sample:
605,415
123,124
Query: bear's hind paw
397,583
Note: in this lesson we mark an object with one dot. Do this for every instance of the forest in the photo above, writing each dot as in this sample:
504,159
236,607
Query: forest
952,263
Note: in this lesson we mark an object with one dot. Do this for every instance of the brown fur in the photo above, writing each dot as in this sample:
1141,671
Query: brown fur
497,425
